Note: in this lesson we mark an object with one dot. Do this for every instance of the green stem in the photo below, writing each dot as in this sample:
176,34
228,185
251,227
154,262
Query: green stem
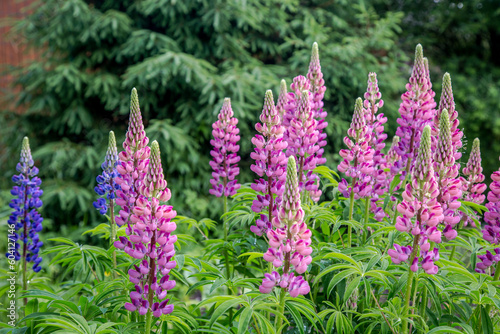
423,304
452,252
367,213
351,209
113,234
278,321
226,258
149,320
410,280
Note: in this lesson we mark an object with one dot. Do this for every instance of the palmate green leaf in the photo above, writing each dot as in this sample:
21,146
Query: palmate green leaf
339,277
223,307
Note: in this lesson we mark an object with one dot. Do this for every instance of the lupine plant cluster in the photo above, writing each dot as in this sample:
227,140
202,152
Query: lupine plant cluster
398,241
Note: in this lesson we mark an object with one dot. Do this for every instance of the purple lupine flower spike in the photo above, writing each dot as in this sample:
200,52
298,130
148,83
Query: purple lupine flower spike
421,213
132,165
417,111
289,241
225,153
491,231
270,165
317,88
357,160
151,241
447,102
450,186
106,182
25,219
473,186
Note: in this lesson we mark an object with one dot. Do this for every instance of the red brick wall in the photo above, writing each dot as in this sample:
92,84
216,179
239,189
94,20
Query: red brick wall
12,52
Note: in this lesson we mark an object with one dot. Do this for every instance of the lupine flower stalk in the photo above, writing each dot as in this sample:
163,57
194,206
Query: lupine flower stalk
282,103
107,187
270,165
289,241
225,153
472,183
416,109
450,186
150,240
421,214
317,88
447,102
357,161
25,219
380,179
132,165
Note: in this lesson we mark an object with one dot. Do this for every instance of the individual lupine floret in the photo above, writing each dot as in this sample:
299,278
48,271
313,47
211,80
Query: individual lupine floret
450,186
302,137
106,183
317,88
151,241
357,160
420,204
289,241
447,102
225,153
472,183
417,111
25,218
132,165
270,165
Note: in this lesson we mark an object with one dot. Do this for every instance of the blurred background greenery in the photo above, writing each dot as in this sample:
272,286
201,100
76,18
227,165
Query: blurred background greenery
185,56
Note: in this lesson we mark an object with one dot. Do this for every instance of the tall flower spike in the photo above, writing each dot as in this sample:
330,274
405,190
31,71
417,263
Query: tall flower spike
416,109
25,219
302,136
132,165
447,102
225,153
270,165
317,88
420,205
473,186
380,179
357,160
491,231
151,242
289,241
450,186
106,184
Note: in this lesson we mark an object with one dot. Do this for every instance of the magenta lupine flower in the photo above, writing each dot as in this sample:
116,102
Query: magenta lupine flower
270,165
447,102
358,158
302,137
133,163
450,186
225,153
421,213
151,241
473,186
417,111
317,88
289,241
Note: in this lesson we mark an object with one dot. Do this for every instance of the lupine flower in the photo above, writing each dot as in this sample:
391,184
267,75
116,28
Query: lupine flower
450,187
317,88
225,153
151,241
289,241
270,161
358,158
420,204
106,184
302,136
25,217
283,101
417,111
447,102
473,186
488,260
133,164
491,231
